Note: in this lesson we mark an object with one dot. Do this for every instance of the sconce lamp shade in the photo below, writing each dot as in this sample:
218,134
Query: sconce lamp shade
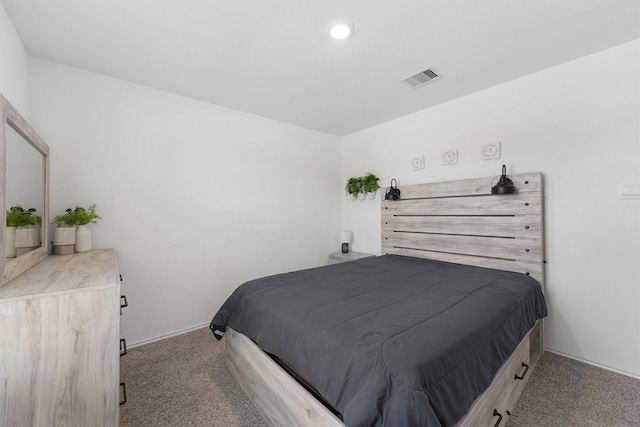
504,185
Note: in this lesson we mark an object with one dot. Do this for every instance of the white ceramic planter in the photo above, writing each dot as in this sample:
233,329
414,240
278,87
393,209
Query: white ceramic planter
28,237
64,236
10,242
83,239
64,239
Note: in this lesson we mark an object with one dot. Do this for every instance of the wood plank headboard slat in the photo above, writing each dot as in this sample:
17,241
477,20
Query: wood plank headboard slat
525,183
515,204
498,226
493,247
532,269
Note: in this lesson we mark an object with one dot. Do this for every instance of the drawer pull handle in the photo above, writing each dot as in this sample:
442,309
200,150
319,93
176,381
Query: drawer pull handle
526,368
499,415
123,389
123,303
123,347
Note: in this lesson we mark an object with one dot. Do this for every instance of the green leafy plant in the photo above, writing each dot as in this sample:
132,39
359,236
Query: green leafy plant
17,216
78,216
354,186
370,183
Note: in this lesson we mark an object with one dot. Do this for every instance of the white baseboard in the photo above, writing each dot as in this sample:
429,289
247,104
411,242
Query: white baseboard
588,362
169,335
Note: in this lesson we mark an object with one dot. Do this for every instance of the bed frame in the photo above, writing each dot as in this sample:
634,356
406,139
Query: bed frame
456,221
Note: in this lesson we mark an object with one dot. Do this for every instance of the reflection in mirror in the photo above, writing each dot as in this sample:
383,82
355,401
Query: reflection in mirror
24,182
23,193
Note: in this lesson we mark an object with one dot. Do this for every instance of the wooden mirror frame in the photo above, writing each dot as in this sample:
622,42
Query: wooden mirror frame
13,267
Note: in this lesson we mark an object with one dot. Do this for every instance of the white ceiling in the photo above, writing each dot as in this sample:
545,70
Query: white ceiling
274,58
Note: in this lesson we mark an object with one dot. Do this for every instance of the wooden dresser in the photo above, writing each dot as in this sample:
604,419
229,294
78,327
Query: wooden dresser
59,335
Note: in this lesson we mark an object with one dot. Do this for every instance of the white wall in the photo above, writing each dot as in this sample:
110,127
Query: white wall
14,77
579,124
195,198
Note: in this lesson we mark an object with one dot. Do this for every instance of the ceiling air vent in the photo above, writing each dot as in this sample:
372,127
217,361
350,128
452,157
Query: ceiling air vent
422,78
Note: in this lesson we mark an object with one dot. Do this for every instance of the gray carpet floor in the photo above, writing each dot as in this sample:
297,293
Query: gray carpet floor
182,381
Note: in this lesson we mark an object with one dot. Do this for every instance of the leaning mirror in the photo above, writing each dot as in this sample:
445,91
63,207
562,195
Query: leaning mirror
25,194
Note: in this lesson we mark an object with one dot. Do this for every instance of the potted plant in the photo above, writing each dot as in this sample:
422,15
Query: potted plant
77,218
23,231
354,187
370,185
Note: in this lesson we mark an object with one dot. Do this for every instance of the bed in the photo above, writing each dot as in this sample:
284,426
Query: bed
442,329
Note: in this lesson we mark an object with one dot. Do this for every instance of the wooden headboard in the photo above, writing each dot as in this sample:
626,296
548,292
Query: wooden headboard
462,222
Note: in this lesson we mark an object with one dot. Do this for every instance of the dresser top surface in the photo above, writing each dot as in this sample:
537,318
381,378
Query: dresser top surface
60,273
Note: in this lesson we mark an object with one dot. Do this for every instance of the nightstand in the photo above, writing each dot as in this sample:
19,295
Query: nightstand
351,256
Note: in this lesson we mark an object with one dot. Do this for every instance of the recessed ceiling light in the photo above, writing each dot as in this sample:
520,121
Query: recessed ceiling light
340,29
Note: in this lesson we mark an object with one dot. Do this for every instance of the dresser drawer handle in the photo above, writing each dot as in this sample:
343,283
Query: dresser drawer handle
123,303
123,393
526,368
123,347
499,415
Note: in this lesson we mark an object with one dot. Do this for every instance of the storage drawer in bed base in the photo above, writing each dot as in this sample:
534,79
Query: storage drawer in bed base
282,401
495,405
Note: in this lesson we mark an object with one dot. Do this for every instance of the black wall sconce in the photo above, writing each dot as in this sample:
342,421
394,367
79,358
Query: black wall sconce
393,192
504,185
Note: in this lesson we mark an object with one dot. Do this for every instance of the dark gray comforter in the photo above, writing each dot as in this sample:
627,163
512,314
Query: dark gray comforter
390,340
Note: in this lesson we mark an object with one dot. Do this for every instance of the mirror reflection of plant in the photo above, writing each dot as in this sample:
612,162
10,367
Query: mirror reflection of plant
78,216
354,186
17,216
370,183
